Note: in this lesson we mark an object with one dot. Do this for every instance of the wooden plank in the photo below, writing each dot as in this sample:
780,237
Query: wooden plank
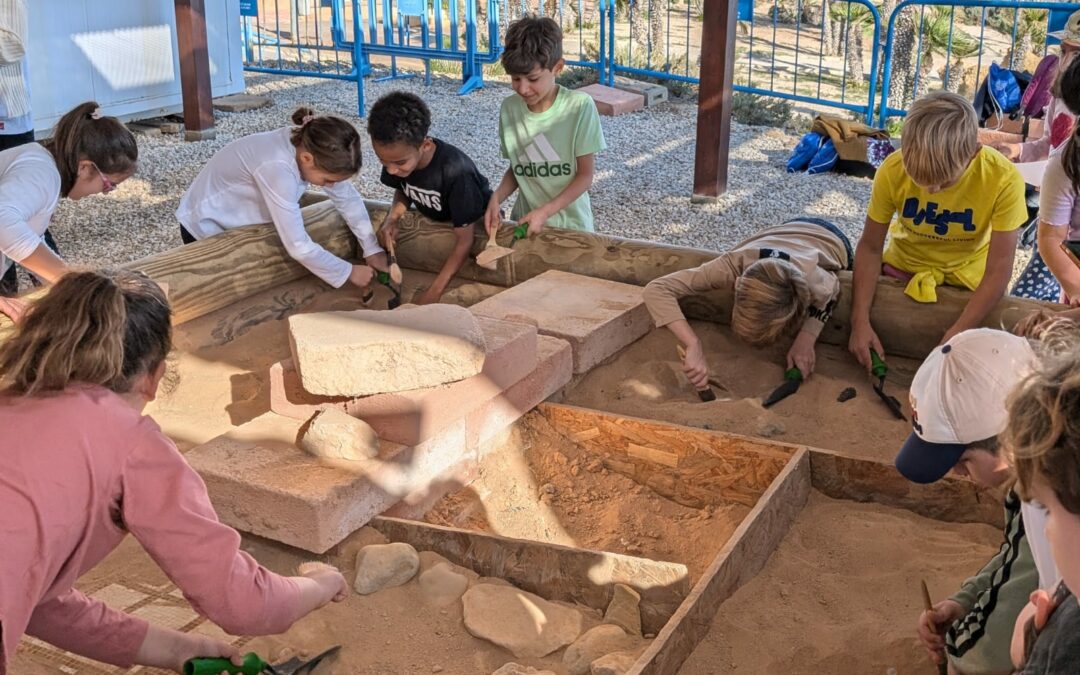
194,69
714,99
552,571
653,455
866,480
739,561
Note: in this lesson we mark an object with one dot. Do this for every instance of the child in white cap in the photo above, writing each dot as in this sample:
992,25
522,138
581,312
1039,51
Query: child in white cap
958,402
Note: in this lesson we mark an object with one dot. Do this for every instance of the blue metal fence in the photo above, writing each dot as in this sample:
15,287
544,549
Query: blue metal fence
828,53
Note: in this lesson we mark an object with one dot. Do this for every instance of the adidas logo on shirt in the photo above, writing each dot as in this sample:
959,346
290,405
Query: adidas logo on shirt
541,161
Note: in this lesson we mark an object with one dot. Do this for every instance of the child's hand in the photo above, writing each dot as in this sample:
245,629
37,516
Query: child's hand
329,579
932,626
536,220
14,308
493,217
695,366
200,647
863,339
361,276
388,231
1010,150
802,355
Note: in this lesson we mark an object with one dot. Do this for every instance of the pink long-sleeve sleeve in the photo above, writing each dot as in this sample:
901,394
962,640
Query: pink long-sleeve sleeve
85,626
165,506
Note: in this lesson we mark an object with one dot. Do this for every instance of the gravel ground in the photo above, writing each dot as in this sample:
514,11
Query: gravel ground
642,186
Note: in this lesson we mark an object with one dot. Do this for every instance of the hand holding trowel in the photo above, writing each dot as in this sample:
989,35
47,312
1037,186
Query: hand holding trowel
492,253
879,370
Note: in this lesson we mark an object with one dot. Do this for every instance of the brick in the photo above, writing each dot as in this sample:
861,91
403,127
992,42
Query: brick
596,316
651,92
553,372
411,417
260,482
241,102
611,101
366,352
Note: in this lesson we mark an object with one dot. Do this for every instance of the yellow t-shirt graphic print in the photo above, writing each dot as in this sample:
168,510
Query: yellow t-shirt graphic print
943,237
543,149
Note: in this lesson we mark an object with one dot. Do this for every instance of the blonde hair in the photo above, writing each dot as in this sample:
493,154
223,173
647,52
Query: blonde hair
102,328
1043,435
941,137
771,299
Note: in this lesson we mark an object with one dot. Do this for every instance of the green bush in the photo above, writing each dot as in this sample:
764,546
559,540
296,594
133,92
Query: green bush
760,111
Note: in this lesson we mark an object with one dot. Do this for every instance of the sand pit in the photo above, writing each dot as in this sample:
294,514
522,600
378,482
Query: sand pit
646,380
555,491
841,593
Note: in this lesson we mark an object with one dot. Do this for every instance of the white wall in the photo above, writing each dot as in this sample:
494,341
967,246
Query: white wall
122,54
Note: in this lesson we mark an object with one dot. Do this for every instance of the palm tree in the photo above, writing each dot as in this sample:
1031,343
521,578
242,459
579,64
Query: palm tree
855,19
942,36
1031,28
902,76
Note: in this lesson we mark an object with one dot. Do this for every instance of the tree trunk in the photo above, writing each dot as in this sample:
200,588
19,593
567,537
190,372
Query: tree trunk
853,54
639,30
952,75
902,78
657,25
838,37
827,30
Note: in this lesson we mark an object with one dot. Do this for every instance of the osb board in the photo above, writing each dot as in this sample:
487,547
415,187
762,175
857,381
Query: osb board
740,560
552,571
693,467
863,480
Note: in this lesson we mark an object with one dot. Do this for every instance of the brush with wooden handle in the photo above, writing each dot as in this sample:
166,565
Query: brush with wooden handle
706,395
395,270
943,667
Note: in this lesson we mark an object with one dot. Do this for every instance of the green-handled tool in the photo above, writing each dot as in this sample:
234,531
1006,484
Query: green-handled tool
879,370
793,377
385,280
253,665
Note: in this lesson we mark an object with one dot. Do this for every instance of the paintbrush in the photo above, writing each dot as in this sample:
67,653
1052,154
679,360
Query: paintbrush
706,395
943,667
395,270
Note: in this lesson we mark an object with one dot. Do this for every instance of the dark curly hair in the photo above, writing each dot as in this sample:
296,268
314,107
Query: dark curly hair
399,117
532,41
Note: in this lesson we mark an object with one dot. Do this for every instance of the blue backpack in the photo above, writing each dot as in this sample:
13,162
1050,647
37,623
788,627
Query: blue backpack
1004,90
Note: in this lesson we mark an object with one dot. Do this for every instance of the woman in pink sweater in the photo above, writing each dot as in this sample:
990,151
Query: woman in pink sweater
82,467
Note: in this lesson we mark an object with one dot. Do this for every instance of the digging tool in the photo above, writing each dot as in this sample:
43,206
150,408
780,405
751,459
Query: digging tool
253,665
492,253
706,395
943,667
879,370
391,259
793,377
386,280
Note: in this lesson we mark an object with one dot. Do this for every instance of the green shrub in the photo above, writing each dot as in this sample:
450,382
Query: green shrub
760,111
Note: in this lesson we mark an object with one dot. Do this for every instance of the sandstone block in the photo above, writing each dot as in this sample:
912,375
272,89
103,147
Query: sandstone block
385,566
594,643
596,316
653,93
241,102
518,669
611,101
624,609
332,434
616,663
525,624
372,352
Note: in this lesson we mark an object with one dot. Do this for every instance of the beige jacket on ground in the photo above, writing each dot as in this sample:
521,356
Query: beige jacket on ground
818,253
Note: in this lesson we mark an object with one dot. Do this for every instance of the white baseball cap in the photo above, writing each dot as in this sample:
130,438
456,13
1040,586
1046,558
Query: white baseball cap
958,397
1071,31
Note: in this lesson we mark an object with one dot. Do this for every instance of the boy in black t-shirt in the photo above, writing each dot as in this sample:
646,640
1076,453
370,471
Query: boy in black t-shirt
440,180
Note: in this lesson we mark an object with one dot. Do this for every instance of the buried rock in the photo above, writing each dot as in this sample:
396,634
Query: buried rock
525,624
334,434
441,585
385,566
518,669
624,609
596,642
616,663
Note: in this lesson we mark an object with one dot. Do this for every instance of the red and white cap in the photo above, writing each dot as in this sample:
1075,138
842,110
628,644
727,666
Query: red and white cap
958,397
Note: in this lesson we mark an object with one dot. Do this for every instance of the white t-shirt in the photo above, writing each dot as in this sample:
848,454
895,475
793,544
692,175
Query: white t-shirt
255,179
29,193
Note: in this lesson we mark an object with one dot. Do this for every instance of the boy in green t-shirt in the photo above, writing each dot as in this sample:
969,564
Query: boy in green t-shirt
550,135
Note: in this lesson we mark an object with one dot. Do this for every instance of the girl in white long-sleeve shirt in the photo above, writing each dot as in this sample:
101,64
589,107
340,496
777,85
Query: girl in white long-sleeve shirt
87,154
261,177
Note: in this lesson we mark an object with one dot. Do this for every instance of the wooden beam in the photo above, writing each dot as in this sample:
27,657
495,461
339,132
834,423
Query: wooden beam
718,27
552,571
194,70
737,563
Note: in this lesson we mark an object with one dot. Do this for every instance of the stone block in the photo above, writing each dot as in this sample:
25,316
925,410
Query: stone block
596,316
611,101
410,417
373,352
652,93
334,434
241,102
260,482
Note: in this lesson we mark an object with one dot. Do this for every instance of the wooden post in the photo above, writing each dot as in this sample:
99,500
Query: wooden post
194,70
714,99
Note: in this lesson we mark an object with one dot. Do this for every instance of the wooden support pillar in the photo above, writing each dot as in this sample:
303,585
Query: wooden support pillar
718,33
194,69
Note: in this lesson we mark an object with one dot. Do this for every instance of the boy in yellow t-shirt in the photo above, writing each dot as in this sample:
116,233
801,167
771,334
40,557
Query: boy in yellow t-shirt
958,207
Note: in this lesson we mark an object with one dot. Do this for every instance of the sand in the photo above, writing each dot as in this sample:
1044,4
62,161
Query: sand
554,491
646,380
841,593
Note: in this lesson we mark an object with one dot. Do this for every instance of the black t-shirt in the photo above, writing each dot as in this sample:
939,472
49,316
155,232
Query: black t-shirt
449,189
1057,649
